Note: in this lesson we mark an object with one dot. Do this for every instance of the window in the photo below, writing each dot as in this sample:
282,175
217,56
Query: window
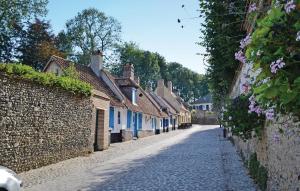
207,107
200,107
119,117
133,96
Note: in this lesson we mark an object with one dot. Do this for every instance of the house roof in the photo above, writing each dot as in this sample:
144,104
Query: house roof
144,103
205,99
163,104
87,75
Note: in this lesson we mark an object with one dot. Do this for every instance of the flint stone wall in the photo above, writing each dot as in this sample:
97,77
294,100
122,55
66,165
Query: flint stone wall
278,152
41,125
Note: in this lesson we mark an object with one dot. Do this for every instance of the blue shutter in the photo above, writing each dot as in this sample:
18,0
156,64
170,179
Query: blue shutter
140,123
129,114
111,117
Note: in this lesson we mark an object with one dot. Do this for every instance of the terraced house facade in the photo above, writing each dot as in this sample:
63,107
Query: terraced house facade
122,109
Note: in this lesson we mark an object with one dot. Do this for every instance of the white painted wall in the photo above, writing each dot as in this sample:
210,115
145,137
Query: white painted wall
147,124
123,124
203,106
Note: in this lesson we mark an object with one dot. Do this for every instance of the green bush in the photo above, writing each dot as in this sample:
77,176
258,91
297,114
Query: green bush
48,79
258,172
241,122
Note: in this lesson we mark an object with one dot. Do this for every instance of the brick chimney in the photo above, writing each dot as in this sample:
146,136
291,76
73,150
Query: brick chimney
96,62
160,87
128,71
170,86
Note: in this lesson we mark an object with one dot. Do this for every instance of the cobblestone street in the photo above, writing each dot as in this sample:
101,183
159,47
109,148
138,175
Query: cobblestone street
194,159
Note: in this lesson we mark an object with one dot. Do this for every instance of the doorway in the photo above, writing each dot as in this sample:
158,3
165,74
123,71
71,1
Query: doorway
99,127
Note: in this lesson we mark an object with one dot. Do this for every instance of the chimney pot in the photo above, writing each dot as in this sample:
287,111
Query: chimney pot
128,71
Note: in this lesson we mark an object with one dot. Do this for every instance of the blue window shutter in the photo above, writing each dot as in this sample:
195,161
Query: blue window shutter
129,114
111,117
140,121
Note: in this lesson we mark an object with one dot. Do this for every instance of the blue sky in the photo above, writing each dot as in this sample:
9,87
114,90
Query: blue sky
152,24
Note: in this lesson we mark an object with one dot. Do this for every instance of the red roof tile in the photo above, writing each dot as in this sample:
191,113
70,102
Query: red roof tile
87,75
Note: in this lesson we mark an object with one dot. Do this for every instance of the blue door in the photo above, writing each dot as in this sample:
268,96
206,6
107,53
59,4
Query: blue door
111,117
129,119
135,124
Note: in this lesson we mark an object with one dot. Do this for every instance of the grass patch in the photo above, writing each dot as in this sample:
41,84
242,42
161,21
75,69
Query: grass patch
258,172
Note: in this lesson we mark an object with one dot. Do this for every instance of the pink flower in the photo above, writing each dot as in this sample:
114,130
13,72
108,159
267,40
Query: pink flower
270,114
253,107
240,56
289,6
276,138
252,8
278,64
245,42
298,36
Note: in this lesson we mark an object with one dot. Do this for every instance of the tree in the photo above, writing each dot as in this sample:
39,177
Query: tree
145,62
92,30
14,16
151,66
221,34
38,45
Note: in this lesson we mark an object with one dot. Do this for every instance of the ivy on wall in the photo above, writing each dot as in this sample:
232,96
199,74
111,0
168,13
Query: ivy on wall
66,82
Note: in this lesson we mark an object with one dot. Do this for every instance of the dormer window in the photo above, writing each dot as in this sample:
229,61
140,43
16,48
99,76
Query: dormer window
133,93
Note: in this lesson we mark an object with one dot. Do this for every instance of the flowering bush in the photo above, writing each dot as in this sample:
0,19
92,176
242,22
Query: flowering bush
274,51
242,122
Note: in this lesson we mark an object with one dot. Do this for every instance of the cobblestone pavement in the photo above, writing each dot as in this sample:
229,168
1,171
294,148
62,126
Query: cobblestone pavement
195,159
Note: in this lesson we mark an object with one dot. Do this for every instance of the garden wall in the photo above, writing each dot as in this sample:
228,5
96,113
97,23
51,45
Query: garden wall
204,118
278,152
41,125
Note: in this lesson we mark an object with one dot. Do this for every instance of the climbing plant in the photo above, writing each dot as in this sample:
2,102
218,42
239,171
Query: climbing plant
241,122
221,32
273,52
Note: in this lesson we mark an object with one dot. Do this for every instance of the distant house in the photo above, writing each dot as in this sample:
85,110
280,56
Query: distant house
123,110
183,114
203,103
170,120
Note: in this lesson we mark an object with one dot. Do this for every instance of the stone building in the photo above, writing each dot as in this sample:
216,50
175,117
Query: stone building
183,114
127,111
170,119
102,97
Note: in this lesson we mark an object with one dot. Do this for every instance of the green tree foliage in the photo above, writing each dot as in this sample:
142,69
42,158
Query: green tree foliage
38,45
14,14
151,66
221,35
89,31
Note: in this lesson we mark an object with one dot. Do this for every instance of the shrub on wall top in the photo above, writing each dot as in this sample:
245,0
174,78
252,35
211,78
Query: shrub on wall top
48,79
